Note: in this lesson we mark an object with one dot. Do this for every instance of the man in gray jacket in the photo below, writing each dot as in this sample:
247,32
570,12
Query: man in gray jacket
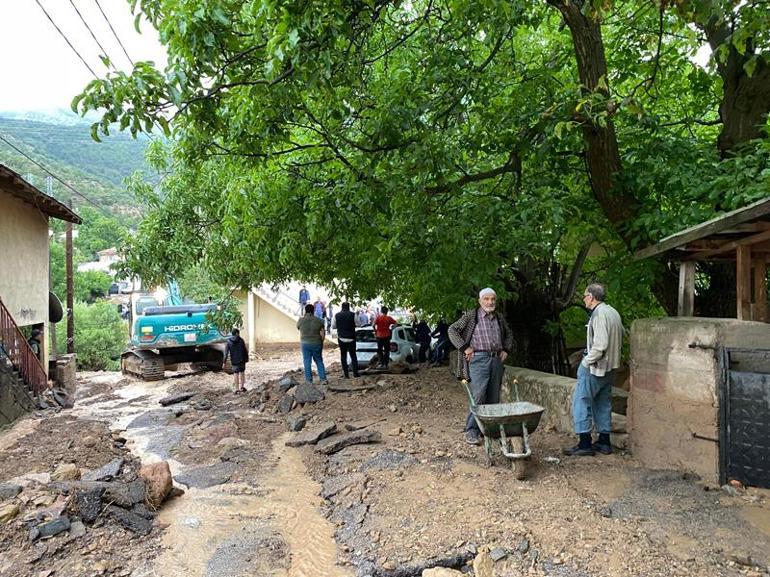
592,399
483,340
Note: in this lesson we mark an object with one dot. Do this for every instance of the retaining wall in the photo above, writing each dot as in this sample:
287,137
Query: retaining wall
15,400
674,398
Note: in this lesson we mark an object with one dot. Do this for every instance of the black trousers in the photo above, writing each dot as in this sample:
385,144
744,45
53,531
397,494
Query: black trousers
424,350
345,349
383,350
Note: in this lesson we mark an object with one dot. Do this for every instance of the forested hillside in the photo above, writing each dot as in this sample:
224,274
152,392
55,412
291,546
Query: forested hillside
95,169
112,159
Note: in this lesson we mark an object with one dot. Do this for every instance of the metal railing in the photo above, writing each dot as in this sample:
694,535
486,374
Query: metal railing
20,354
280,299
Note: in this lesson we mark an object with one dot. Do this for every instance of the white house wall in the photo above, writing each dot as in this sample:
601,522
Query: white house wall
23,260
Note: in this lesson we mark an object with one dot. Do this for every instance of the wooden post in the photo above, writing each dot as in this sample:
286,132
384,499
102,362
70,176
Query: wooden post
760,289
743,282
686,305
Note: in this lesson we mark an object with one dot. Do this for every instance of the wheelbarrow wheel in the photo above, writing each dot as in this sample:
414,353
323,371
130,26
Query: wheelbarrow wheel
519,466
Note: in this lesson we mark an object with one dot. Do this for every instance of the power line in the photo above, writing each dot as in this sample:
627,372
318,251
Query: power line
66,39
54,175
83,20
113,32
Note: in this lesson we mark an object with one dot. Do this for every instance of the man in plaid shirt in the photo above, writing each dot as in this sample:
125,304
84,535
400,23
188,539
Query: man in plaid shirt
483,340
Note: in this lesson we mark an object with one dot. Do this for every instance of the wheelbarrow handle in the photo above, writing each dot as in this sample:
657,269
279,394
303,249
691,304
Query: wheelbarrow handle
470,395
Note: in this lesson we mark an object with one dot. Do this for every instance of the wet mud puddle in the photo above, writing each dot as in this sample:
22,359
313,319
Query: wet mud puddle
229,530
233,529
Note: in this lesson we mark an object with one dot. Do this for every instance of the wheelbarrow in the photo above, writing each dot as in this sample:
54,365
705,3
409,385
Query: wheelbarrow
512,423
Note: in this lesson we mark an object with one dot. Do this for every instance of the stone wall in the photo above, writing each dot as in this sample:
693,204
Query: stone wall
674,398
65,374
14,398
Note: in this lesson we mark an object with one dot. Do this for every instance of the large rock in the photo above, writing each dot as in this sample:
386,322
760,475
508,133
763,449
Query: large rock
54,527
121,494
105,473
312,436
307,393
285,384
207,475
285,404
8,512
124,494
174,399
66,472
157,477
339,442
87,504
131,521
296,423
483,566
9,491
442,572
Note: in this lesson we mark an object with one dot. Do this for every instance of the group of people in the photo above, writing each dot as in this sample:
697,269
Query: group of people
312,332
483,340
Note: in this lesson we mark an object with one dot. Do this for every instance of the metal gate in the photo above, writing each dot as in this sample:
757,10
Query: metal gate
744,432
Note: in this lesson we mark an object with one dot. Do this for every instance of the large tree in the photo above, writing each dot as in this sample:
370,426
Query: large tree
422,150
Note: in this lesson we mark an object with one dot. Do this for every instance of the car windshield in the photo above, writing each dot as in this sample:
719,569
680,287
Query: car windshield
365,336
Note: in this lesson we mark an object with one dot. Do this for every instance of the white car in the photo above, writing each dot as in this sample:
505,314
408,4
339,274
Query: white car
403,347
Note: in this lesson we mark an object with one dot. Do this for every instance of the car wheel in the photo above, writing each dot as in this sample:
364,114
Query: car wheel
410,359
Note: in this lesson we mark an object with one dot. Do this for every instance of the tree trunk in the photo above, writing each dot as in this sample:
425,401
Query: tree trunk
601,143
745,97
745,103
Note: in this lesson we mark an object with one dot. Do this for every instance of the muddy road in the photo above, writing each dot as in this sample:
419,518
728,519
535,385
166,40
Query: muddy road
416,497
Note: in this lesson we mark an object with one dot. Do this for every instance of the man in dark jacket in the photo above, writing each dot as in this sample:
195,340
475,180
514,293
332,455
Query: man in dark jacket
483,340
422,336
346,322
239,356
34,343
441,333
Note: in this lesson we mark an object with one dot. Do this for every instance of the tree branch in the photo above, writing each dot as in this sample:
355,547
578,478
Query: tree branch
513,164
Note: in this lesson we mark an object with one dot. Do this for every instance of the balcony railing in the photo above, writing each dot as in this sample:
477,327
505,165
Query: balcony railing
17,350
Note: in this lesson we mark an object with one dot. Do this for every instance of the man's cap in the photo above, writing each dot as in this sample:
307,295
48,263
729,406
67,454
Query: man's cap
487,291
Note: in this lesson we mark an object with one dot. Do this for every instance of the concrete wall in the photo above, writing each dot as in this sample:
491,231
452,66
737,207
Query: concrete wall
674,394
553,392
23,260
267,324
24,264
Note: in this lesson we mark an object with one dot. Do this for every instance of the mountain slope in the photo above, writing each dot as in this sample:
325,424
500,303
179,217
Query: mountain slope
113,159
94,169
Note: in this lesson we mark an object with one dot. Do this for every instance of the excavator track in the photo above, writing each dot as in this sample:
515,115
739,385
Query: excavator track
143,365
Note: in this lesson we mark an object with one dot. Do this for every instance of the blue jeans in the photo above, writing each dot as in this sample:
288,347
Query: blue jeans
313,352
592,402
486,372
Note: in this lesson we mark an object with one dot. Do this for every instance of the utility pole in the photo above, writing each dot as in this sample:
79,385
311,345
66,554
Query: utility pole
70,288
52,354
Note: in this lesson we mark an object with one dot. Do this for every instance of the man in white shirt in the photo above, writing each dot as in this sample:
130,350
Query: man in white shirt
592,399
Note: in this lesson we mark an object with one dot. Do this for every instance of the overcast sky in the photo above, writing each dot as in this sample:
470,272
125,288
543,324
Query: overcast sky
41,72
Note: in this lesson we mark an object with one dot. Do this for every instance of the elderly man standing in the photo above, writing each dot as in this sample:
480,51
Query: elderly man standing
483,340
592,399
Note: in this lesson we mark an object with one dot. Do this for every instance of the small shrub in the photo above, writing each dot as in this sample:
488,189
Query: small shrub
100,336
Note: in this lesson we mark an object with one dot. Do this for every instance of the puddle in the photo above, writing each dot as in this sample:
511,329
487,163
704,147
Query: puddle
148,437
758,516
201,520
230,529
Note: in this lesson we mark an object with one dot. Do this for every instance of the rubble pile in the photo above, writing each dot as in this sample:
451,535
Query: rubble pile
72,500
